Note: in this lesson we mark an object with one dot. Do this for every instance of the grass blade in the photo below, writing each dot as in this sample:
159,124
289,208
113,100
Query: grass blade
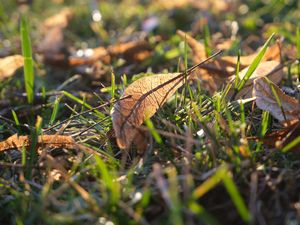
16,119
254,64
175,215
237,78
207,40
292,144
54,111
28,62
111,188
235,196
153,131
83,103
222,174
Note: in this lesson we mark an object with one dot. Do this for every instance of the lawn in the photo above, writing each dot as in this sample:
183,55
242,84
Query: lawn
150,112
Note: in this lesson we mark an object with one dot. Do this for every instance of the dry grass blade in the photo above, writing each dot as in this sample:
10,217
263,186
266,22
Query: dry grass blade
269,97
9,65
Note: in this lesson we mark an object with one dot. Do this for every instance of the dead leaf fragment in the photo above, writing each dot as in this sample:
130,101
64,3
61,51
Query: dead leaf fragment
53,27
53,42
216,6
270,69
146,95
52,141
282,137
265,92
9,65
60,19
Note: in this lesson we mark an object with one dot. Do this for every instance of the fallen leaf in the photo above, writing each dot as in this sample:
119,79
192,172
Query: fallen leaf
224,44
146,96
266,93
273,53
169,5
133,51
142,98
215,73
53,40
51,141
60,19
9,65
96,54
52,43
215,6
198,48
281,138
270,69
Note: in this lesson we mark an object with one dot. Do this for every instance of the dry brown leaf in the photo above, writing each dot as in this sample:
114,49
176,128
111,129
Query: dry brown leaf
51,141
282,137
53,42
265,92
60,19
53,27
270,69
198,49
225,44
9,65
98,54
169,5
146,95
216,6
214,74
133,51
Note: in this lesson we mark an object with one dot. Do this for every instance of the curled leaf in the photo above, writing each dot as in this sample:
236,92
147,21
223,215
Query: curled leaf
145,96
269,97
270,69
9,65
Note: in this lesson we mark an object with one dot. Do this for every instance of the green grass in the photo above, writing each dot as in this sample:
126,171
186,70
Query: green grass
200,167
28,61
254,65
